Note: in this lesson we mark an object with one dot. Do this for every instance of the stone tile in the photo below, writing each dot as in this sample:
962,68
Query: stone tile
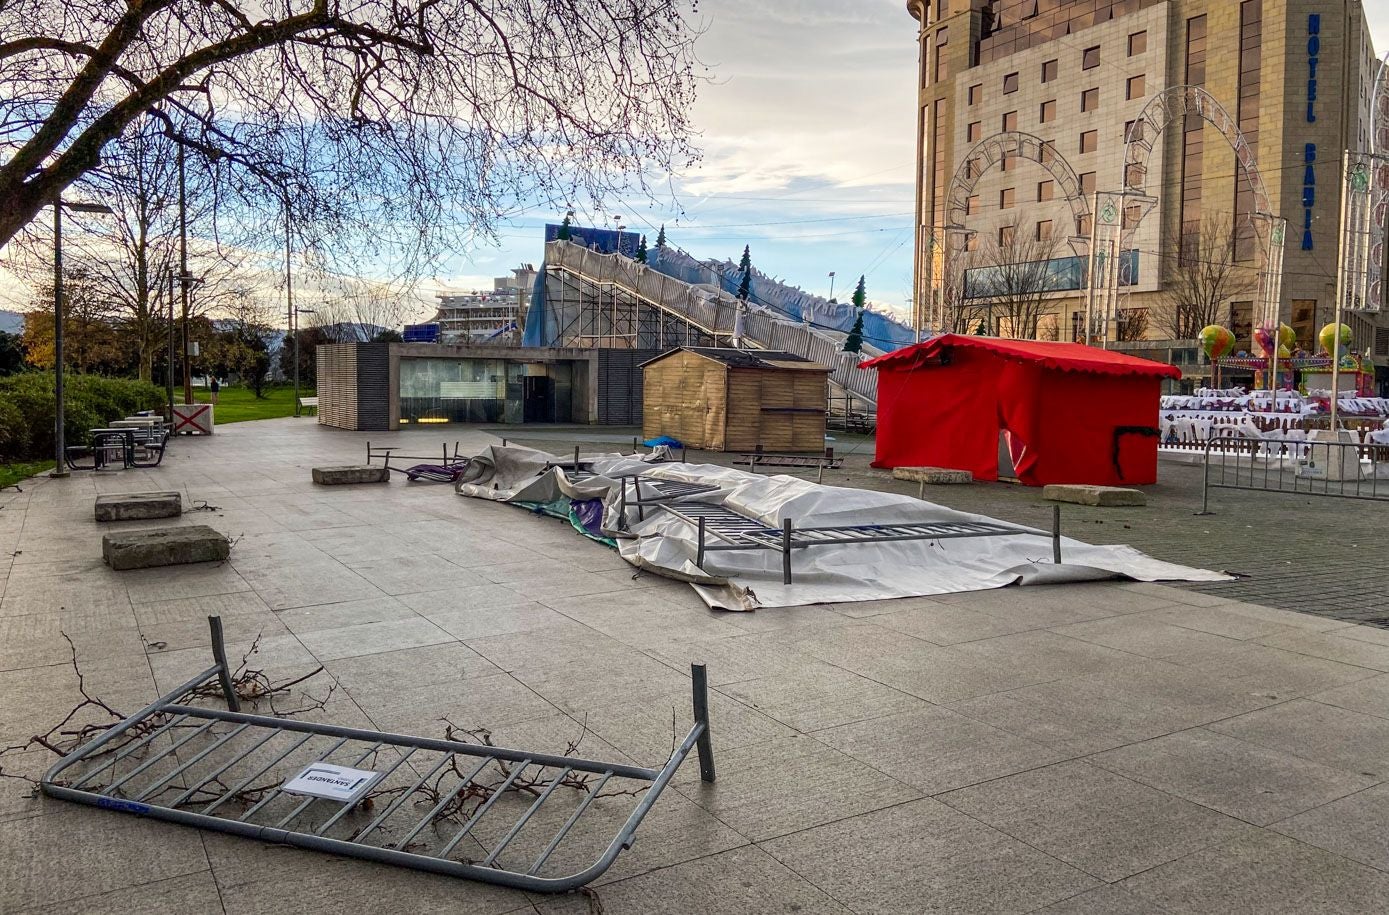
1070,716
182,622
820,696
41,640
950,624
292,586
774,788
1102,823
193,894
1225,621
1037,657
470,622
1273,672
854,646
1369,696
580,685
100,851
1331,646
1326,734
743,881
937,750
1253,783
551,646
1141,635
648,729
375,676
278,656
1176,693
1263,874
939,859
1353,827
197,580
1361,633
1107,900
731,660
480,597
1055,605
372,638
478,702
419,572
345,613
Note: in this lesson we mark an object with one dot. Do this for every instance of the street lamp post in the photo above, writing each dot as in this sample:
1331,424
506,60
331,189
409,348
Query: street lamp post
294,331
831,285
59,418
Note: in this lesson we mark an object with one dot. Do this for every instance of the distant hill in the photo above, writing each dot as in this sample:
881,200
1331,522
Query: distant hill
11,322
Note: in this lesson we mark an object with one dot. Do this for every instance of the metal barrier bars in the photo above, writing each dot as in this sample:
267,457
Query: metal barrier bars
731,531
664,491
240,764
1339,469
386,453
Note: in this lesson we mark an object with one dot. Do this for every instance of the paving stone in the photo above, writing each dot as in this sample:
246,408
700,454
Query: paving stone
1263,874
940,861
1353,827
1104,824
167,547
1326,734
347,474
1103,496
138,506
1107,900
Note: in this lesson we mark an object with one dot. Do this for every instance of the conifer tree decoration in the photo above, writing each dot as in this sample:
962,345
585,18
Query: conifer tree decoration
661,237
745,285
641,250
563,234
854,342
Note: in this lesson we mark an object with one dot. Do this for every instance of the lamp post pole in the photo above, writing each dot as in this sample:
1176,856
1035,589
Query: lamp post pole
59,465
169,372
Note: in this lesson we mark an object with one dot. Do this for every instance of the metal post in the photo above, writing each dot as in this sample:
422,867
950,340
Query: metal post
1056,534
786,551
1206,477
576,457
699,681
169,372
289,302
699,555
183,273
1340,304
219,654
1090,269
59,446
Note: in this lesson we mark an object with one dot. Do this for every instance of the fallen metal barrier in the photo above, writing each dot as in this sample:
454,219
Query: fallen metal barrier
246,774
1343,470
720,528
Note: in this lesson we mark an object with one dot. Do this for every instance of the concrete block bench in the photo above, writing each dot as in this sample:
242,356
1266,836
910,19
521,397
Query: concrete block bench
1104,496
936,476
170,546
350,473
138,506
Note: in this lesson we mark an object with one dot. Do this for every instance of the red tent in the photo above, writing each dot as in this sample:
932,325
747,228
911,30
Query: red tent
1072,413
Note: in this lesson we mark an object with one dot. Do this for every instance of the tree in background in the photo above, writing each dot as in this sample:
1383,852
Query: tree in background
11,354
661,237
745,265
310,339
392,124
641,250
1008,284
92,341
565,232
1200,275
854,342
240,343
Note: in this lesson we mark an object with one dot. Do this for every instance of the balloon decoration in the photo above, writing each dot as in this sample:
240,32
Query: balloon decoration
1216,341
1327,339
1263,338
1284,352
1287,337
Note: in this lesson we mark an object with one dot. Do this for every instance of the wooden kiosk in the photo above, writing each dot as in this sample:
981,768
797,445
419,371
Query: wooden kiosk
736,400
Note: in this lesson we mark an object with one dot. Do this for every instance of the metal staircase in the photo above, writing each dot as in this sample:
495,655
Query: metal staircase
715,312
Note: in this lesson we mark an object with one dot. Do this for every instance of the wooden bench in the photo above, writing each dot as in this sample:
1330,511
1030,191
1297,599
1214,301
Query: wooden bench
308,403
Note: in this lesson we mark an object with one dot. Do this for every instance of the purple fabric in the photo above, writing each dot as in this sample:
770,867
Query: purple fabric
589,515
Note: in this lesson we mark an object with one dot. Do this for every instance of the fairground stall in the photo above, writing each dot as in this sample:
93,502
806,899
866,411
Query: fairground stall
1067,413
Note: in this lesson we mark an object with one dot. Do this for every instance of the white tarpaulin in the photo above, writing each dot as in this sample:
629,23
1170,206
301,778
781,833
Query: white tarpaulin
833,573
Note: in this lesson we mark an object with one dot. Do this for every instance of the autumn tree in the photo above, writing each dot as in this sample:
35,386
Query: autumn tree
1200,275
391,123
1009,282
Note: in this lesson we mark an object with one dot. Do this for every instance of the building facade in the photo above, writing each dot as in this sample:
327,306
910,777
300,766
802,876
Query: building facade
494,317
1064,82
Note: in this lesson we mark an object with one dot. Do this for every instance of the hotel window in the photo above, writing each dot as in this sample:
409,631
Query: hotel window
1193,142
976,92
1046,190
1007,163
1090,58
1005,236
1134,130
942,70
972,242
974,131
1043,229
1087,183
1089,141
1250,60
1049,69
1006,198
1083,226
1010,83
1136,87
972,205
1138,43
1048,112
1132,215
1048,151
1089,100
1010,121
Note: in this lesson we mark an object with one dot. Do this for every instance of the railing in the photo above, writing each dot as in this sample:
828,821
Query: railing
716,313
1341,469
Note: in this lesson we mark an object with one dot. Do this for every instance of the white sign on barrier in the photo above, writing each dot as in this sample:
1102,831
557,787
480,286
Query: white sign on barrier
193,418
332,782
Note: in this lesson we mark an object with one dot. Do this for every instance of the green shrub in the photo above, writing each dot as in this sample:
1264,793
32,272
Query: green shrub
90,401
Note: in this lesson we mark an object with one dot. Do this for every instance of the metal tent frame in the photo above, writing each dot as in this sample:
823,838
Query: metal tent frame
192,765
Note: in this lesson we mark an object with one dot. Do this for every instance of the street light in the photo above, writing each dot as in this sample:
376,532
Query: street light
831,285
294,332
59,446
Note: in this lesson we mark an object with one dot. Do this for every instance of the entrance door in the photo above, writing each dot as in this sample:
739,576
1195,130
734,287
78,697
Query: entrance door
539,398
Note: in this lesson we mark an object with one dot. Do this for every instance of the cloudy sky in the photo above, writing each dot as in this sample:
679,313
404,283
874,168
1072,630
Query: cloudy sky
808,134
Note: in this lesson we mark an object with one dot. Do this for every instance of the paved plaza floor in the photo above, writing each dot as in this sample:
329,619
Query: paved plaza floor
1102,748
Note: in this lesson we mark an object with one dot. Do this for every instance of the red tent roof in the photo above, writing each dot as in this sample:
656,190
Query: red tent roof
1066,357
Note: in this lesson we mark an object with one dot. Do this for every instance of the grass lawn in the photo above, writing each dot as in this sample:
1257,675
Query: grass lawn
12,474
237,404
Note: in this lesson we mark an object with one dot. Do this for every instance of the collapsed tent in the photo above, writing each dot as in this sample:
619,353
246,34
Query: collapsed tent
1069,413
665,543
